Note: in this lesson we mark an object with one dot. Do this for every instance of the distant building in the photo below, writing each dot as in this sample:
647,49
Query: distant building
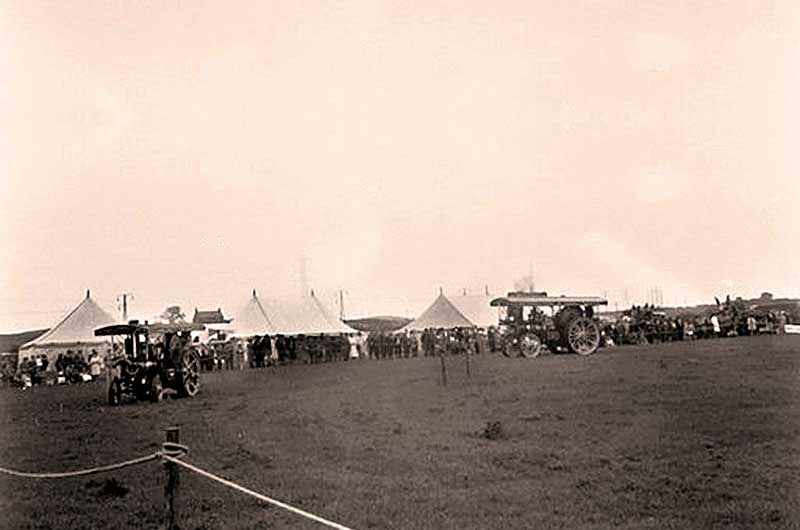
209,317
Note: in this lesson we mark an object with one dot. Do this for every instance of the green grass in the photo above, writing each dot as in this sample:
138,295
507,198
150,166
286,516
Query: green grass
691,435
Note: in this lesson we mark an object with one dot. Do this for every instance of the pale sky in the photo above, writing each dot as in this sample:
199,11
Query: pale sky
189,152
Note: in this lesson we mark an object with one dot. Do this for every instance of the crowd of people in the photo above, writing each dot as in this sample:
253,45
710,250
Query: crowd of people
265,350
638,325
647,324
431,342
70,367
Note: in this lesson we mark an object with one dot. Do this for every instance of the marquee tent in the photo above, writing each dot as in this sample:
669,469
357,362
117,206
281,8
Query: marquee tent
74,332
476,308
306,316
252,320
466,311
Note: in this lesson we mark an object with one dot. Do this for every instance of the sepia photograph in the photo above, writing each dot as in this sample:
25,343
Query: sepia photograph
386,264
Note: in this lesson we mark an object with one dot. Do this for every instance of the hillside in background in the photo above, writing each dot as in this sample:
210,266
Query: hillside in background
10,343
384,324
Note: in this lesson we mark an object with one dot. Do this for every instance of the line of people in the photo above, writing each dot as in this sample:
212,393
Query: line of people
265,350
430,342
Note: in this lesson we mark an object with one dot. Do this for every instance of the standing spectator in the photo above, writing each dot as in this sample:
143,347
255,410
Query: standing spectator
491,337
362,343
752,326
95,367
418,346
782,321
353,345
280,346
24,373
274,356
266,350
259,351
715,325
241,353
397,346
428,342
688,330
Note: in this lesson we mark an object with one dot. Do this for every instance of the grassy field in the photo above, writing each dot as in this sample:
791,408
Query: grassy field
688,435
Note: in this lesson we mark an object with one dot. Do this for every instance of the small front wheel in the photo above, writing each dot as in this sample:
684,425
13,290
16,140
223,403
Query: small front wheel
509,349
530,346
190,374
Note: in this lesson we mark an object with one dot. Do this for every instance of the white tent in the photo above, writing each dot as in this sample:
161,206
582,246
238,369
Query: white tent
466,311
476,309
306,316
252,320
74,332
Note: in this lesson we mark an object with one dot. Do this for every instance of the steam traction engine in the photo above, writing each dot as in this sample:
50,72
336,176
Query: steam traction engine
529,321
157,359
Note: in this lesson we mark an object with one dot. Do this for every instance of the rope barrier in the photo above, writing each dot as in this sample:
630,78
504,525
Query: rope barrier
83,472
257,495
172,450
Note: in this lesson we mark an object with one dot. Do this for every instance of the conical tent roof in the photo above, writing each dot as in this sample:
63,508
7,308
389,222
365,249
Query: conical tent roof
75,329
476,308
307,316
252,320
334,324
440,314
456,312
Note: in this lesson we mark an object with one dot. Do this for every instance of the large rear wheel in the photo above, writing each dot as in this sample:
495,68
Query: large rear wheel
190,373
583,336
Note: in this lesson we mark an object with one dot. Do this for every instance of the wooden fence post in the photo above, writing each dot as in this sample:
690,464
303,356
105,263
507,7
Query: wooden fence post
171,487
444,368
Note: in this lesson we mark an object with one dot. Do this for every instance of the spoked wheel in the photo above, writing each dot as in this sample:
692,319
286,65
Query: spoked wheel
530,346
509,349
156,389
190,373
583,336
114,393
